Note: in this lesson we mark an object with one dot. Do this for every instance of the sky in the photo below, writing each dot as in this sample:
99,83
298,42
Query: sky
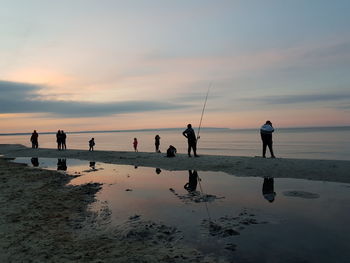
114,65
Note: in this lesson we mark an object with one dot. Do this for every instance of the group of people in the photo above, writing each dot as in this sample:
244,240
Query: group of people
61,138
266,131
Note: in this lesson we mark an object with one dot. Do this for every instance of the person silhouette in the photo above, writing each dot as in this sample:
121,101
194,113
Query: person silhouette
191,140
266,136
191,186
157,143
35,161
268,189
34,140
63,140
59,140
91,144
171,152
61,164
135,143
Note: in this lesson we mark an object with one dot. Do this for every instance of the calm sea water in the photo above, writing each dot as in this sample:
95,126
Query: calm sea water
312,143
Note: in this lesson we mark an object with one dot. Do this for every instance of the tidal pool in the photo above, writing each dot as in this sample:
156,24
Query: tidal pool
246,219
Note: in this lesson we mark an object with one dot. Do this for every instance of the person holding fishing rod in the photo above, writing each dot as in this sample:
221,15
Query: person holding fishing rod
191,139
189,132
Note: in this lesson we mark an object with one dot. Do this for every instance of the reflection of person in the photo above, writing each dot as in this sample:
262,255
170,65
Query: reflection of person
171,151
158,170
266,136
191,139
91,144
157,143
135,144
268,189
61,164
34,140
35,161
192,181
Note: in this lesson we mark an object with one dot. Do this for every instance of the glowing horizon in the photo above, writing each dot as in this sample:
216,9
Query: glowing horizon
82,65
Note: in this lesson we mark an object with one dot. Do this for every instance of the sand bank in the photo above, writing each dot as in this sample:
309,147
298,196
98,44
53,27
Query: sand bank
323,170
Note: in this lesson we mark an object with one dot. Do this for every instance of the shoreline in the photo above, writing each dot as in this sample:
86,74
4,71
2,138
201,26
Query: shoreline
321,170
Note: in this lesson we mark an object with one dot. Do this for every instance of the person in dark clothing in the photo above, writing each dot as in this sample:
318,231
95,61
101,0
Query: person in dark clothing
63,142
35,161
135,143
171,151
268,189
34,140
191,139
266,136
191,186
91,144
59,140
157,143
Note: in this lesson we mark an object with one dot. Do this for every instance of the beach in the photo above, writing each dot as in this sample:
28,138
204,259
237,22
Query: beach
323,170
43,219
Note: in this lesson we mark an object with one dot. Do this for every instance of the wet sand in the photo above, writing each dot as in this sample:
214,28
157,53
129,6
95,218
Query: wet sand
42,219
45,220
323,170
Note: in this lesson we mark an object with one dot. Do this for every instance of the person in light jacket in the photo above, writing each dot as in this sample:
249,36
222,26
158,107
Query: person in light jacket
266,136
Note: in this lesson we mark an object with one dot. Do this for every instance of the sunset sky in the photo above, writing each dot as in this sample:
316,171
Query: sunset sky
112,65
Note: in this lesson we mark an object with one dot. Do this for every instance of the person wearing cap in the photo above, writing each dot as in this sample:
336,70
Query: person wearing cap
266,136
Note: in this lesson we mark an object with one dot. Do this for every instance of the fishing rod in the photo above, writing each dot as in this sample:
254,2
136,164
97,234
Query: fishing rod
205,103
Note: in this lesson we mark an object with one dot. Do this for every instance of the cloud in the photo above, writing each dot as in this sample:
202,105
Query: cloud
23,98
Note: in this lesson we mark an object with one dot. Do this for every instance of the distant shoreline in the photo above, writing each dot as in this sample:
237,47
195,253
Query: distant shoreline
321,170
180,129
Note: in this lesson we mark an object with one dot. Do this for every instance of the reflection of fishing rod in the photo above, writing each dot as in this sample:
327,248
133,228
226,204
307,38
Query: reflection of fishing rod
205,103
206,205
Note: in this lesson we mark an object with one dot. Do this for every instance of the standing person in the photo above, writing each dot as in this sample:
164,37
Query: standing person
157,143
266,136
191,139
34,140
135,144
91,144
59,140
63,138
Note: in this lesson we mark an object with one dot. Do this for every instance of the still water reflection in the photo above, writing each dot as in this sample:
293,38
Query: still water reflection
253,219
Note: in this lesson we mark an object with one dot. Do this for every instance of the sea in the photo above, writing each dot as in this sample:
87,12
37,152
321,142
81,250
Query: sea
325,143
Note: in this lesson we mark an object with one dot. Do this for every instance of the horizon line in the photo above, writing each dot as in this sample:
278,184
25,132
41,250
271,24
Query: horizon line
169,129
